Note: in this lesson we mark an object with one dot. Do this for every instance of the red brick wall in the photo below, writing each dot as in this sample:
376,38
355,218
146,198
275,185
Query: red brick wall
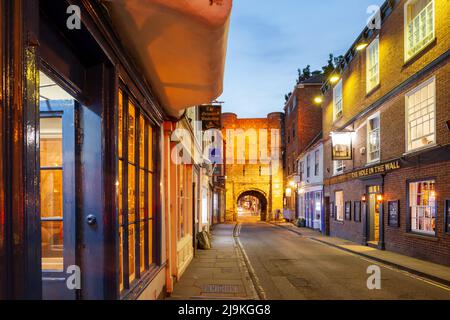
400,239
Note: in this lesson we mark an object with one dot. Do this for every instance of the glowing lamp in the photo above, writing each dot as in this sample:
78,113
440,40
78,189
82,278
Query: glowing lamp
361,46
380,198
364,198
318,100
335,78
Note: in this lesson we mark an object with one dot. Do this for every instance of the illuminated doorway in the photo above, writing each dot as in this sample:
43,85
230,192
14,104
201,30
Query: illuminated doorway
251,207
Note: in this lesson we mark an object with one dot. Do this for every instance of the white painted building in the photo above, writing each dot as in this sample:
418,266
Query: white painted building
310,191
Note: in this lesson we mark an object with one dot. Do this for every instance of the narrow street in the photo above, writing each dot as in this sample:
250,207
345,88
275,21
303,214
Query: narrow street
293,267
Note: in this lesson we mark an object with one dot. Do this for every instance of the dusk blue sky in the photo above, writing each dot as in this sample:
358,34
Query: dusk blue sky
270,39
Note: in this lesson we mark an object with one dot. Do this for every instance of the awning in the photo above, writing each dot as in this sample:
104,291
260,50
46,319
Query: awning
179,44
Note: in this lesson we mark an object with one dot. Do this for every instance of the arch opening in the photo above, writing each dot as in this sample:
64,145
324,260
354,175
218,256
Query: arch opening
251,207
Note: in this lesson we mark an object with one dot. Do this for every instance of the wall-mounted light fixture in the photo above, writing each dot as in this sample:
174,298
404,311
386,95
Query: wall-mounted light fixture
318,100
334,78
380,198
364,198
361,45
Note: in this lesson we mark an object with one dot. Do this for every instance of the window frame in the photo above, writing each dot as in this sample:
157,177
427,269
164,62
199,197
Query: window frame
338,87
374,116
337,218
317,163
373,44
409,211
335,167
408,57
151,242
408,95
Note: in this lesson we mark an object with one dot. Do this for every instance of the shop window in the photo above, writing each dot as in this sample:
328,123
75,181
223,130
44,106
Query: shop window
373,64
422,203
135,191
421,116
338,106
339,197
420,26
373,139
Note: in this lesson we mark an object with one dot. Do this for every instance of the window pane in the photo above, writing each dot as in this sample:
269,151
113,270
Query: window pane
131,132
52,246
142,194
120,258
423,207
142,245
150,148
120,191
51,193
120,129
150,196
131,252
131,193
142,141
51,142
150,242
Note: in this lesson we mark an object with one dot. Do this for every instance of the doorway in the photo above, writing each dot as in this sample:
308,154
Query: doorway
373,221
251,207
57,189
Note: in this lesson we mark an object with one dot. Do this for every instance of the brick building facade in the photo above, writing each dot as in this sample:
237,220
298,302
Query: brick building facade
253,163
303,123
393,97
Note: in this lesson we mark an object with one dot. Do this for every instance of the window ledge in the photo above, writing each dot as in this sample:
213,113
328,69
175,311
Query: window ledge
418,54
373,90
420,150
422,236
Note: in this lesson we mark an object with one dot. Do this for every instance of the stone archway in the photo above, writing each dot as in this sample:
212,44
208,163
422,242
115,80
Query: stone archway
252,206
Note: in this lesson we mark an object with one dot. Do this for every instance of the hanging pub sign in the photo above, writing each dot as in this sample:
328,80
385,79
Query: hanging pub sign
210,116
342,148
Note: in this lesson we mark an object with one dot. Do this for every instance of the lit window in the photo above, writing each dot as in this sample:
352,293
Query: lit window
373,65
420,116
337,101
338,167
136,219
339,195
422,201
373,139
420,25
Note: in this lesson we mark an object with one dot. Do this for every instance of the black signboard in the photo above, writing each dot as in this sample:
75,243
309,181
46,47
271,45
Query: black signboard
393,213
357,211
210,116
447,215
348,211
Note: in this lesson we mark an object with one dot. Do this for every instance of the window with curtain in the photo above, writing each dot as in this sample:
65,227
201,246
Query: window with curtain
420,26
421,116
422,201
135,191
373,138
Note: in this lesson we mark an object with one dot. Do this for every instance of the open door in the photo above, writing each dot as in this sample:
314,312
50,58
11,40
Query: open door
57,188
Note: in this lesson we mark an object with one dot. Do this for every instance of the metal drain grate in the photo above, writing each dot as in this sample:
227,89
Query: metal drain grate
222,288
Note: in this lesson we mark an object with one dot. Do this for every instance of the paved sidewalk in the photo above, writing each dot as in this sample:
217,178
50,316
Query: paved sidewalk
219,273
425,269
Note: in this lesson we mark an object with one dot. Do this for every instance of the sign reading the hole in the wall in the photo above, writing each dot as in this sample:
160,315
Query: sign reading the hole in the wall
393,213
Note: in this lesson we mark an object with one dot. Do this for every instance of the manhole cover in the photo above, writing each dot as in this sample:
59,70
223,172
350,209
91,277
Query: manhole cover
222,288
